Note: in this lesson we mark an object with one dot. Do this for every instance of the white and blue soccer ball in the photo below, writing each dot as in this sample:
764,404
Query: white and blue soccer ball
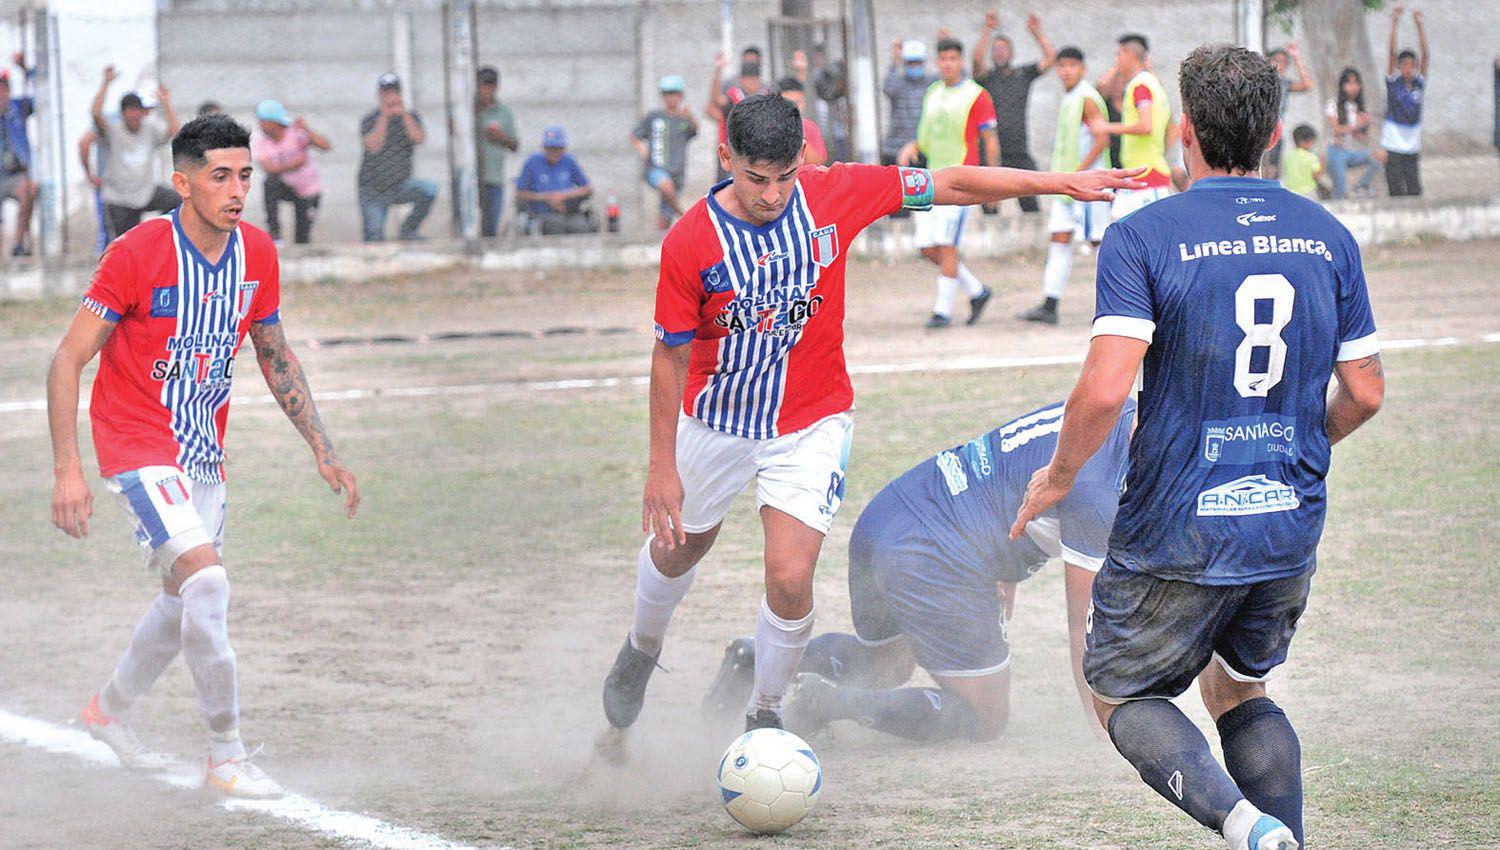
769,779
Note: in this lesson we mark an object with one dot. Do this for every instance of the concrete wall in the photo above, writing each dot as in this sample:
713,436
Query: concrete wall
592,66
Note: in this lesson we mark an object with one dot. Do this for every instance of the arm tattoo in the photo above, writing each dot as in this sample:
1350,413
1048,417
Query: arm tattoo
1372,365
288,385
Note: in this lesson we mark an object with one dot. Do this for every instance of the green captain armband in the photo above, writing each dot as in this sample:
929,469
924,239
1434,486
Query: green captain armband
916,188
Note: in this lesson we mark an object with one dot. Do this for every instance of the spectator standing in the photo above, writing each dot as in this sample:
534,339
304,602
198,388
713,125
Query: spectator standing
1302,167
496,128
1401,134
15,158
660,139
282,150
391,134
133,142
1281,58
91,149
816,150
723,97
1349,145
905,85
553,187
831,84
1010,89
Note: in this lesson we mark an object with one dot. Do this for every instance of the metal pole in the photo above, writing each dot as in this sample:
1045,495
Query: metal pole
458,51
1252,25
863,81
726,28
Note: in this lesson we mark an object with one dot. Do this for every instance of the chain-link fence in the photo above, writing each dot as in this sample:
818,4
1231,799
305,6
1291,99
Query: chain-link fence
363,111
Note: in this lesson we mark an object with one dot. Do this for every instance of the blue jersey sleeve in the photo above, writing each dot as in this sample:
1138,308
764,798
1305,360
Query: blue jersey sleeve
1084,518
1356,321
1123,296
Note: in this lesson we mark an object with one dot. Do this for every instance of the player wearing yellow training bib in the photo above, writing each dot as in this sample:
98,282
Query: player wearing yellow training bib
1145,114
957,114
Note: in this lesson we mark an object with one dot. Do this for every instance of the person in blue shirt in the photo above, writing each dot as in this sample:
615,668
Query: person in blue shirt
1401,133
553,187
1237,301
932,580
15,159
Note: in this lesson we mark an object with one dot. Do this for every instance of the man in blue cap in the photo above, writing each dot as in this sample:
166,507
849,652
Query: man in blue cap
553,187
661,140
282,149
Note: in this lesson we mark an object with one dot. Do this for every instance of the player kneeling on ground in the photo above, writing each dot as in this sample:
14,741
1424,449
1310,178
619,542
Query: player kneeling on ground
925,560
748,380
167,310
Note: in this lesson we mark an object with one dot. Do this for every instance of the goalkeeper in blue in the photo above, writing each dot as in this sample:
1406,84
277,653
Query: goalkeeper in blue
932,579
1239,302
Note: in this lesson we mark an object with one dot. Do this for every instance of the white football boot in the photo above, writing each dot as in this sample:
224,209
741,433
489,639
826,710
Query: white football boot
240,777
118,736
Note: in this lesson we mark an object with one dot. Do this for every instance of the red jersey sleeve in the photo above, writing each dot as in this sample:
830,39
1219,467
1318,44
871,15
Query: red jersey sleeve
817,150
679,291
1140,94
982,113
265,309
115,288
870,192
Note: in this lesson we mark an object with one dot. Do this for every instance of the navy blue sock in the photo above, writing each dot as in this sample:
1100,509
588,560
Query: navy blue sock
927,715
840,658
1264,756
1173,757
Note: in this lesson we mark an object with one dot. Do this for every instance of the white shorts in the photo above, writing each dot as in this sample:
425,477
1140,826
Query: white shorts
800,474
1128,201
172,512
1085,219
940,226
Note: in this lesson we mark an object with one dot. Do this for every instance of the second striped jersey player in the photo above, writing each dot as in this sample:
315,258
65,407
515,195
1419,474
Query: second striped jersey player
748,380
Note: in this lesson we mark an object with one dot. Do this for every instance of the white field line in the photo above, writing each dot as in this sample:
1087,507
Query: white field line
356,829
961,364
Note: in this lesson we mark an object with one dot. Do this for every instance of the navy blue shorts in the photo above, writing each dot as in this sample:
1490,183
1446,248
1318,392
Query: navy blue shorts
1150,637
901,584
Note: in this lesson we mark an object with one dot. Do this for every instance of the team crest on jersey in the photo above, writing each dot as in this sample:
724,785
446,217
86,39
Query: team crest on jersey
825,245
247,292
164,302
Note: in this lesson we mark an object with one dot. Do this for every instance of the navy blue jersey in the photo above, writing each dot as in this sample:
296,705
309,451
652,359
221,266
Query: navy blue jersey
967,497
1248,295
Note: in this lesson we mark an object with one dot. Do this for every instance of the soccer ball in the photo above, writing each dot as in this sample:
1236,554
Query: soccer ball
769,779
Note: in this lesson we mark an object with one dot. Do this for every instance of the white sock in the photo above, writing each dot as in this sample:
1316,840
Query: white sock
656,597
153,645
206,649
1238,823
1059,266
779,645
947,290
970,282
225,745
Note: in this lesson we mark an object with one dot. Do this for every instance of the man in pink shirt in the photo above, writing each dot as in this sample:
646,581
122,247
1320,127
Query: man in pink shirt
280,147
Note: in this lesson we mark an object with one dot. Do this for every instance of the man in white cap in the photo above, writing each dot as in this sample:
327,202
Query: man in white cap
905,85
660,139
282,150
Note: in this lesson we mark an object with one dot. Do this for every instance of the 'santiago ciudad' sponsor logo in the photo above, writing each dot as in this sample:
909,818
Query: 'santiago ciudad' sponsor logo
1249,439
1253,494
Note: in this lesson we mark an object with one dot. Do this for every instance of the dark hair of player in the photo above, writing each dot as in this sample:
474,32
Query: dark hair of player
1406,55
1233,97
946,44
765,127
1070,53
208,133
1136,39
786,84
1304,133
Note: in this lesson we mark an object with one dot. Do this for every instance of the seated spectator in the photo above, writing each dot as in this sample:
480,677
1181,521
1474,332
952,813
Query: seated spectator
816,152
282,151
553,188
15,160
134,142
1301,167
1349,147
661,141
391,134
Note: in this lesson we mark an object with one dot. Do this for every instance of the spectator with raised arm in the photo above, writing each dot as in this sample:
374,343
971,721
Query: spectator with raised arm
816,152
390,134
495,127
15,156
1349,140
723,96
282,149
1010,89
134,141
660,140
1405,88
1281,58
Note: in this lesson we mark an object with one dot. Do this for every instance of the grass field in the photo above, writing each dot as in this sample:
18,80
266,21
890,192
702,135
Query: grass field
437,662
